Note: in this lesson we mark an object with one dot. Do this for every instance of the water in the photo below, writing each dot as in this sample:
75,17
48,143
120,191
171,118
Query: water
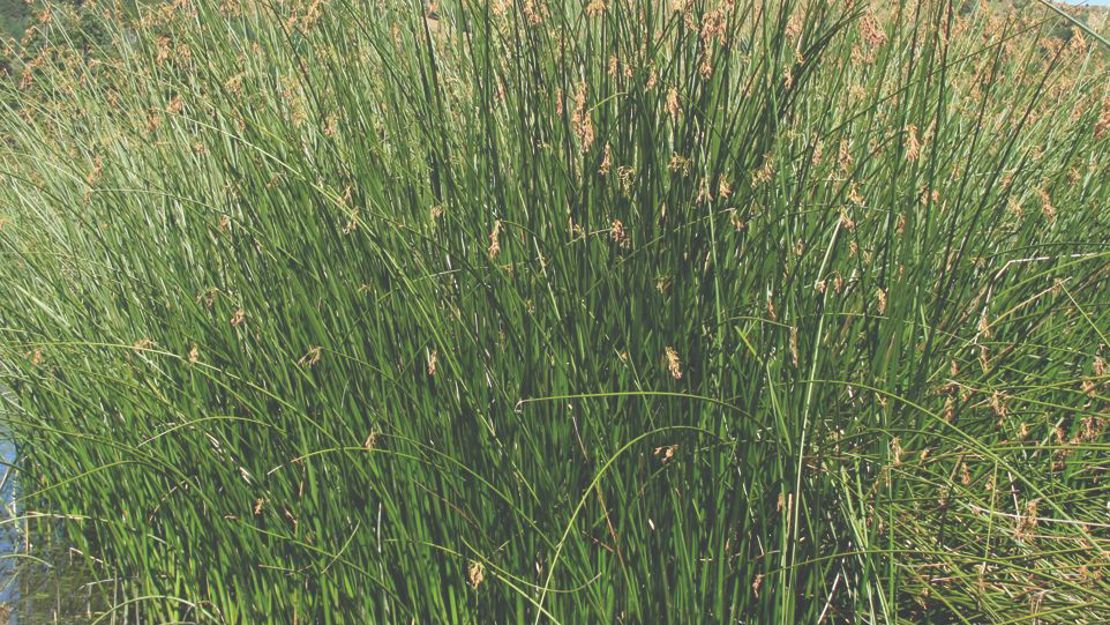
9,536
39,585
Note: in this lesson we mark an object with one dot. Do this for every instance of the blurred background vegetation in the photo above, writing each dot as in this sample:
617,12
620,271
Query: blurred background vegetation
16,15
13,16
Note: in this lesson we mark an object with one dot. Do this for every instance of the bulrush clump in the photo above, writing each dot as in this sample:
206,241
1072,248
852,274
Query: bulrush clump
674,365
785,206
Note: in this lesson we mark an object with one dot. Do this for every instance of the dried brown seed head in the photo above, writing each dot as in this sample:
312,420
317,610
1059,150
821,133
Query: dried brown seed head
673,107
665,453
1047,209
238,318
619,234
985,324
311,358
674,365
433,361
581,120
475,574
494,240
913,144
606,160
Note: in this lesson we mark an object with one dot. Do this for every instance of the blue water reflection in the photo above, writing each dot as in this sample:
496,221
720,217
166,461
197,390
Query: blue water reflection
11,541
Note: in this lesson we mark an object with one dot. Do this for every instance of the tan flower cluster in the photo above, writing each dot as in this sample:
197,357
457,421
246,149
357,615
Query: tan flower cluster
674,365
581,121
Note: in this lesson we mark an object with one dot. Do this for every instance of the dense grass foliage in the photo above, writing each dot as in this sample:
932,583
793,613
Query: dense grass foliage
574,312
